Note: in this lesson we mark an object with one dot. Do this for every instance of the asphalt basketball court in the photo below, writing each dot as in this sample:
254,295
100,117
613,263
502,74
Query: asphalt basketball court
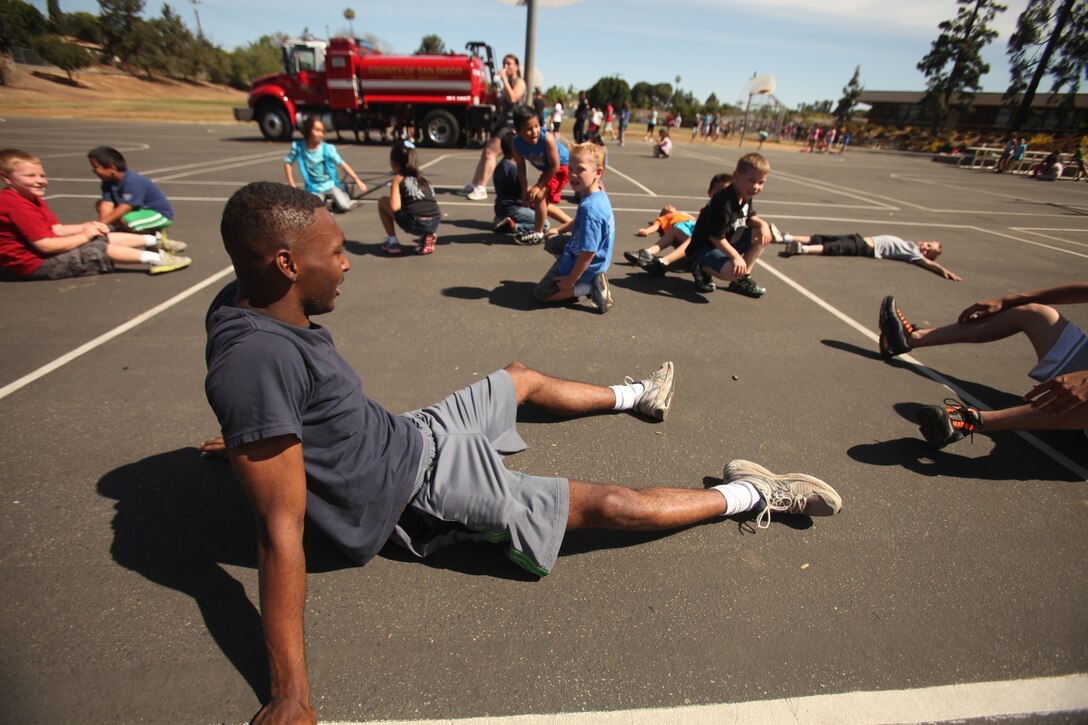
954,578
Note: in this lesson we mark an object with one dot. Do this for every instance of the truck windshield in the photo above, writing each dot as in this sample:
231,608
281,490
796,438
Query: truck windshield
304,58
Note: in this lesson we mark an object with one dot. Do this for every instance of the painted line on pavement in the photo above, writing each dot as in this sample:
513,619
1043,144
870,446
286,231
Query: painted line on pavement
614,170
943,703
107,336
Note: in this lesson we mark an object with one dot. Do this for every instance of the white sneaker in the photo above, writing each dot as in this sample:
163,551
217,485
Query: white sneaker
466,189
790,493
169,263
478,193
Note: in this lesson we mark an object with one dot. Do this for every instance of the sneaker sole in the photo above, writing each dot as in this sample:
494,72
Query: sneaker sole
605,304
891,329
935,426
663,399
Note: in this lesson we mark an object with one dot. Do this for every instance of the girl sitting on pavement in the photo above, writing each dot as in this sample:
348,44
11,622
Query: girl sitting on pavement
317,165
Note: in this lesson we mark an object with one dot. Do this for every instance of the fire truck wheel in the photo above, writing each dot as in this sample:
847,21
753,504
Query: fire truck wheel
441,129
274,122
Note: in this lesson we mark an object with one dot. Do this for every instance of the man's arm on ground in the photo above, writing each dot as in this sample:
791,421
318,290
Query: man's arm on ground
272,474
938,269
1065,294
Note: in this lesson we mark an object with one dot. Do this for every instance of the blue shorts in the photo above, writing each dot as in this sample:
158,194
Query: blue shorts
467,494
716,259
686,228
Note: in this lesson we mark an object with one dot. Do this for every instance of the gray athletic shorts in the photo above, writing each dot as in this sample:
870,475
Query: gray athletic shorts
86,259
1069,355
467,492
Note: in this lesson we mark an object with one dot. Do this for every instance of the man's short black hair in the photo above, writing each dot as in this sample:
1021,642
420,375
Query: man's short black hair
262,218
106,157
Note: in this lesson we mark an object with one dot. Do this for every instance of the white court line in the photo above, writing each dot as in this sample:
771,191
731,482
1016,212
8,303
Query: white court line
106,337
1038,231
1035,244
222,167
614,170
229,159
1044,695
1070,465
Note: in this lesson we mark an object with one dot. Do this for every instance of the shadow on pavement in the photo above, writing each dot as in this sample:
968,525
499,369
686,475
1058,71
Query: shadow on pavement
677,287
179,517
1012,459
511,294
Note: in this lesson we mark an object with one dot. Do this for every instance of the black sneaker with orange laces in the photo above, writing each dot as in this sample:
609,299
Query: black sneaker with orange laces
894,330
948,423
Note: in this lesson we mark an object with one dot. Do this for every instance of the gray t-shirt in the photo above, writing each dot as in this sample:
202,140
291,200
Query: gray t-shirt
886,246
267,379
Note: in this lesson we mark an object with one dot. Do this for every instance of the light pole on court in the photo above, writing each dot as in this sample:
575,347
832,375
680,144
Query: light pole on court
530,38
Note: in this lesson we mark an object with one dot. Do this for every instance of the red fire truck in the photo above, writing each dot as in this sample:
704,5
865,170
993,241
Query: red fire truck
352,86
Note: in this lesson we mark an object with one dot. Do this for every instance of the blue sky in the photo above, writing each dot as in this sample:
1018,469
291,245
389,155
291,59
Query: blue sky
810,46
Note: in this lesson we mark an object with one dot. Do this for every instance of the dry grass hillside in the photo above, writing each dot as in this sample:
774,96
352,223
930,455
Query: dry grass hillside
109,94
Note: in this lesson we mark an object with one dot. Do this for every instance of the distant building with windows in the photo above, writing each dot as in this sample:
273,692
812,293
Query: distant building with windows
988,113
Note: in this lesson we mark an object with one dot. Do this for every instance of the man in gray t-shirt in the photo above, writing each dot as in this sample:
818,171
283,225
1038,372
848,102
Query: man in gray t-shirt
882,246
306,443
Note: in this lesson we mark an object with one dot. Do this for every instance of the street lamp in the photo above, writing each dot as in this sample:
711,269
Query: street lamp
530,33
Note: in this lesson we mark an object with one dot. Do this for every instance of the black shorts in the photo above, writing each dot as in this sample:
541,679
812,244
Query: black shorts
843,245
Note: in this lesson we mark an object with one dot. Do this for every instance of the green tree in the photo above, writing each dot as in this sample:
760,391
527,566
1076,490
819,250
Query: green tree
850,94
255,60
557,93
609,89
83,26
1047,42
641,94
64,55
954,67
118,20
431,45
20,24
56,16
662,94
712,105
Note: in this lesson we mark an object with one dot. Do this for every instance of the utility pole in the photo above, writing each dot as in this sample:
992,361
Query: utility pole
199,30
530,49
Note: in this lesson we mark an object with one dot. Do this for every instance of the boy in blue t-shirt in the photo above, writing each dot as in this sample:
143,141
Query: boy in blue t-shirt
583,261
536,146
130,202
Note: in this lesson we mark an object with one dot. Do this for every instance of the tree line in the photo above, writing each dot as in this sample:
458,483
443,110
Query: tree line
161,46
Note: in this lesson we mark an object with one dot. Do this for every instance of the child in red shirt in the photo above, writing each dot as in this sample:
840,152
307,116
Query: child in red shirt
35,245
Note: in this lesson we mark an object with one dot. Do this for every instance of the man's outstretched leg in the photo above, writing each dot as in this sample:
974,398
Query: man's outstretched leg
1041,324
747,486
651,396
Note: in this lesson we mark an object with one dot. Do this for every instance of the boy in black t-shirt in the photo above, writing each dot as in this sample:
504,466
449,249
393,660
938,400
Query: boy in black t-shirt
728,236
